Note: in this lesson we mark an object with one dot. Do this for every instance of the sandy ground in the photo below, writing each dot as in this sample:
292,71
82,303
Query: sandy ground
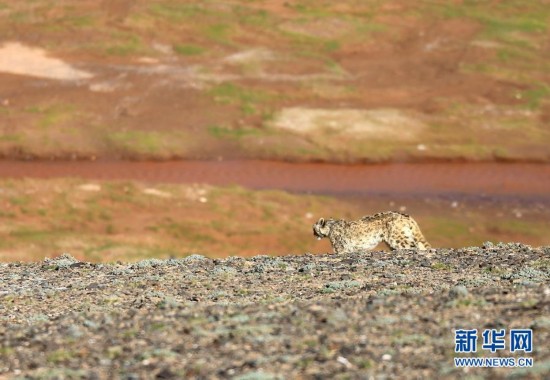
19,59
358,316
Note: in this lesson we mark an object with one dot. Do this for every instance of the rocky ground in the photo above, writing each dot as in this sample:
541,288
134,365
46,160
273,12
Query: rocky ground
375,315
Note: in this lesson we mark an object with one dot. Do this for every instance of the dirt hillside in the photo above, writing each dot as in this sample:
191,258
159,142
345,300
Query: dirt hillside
293,80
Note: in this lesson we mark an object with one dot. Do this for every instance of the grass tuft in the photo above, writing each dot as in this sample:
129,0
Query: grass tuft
188,50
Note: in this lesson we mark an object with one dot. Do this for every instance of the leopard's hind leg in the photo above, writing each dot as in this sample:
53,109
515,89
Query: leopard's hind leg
405,237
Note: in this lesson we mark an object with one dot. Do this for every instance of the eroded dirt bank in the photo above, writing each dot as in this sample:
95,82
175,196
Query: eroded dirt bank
357,316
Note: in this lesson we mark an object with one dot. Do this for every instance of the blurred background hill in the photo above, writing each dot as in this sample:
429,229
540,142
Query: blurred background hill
351,82
300,80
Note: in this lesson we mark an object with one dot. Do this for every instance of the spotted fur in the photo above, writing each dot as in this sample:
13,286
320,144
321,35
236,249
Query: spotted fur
399,231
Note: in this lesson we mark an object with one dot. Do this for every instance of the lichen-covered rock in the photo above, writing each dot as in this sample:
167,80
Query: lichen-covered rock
360,315
65,260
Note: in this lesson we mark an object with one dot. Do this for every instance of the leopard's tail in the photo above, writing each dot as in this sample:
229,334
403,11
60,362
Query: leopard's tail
422,243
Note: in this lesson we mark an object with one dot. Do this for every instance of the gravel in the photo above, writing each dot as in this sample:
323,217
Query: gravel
375,315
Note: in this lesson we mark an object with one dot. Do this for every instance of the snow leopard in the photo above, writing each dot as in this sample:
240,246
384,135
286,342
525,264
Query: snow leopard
398,230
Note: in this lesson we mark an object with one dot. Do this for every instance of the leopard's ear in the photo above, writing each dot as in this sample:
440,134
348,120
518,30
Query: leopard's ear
321,222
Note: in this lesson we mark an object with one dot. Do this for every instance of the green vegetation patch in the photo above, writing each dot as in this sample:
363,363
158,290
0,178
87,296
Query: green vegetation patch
52,115
147,143
233,133
124,44
219,32
537,95
247,99
188,50
517,29
502,18
177,11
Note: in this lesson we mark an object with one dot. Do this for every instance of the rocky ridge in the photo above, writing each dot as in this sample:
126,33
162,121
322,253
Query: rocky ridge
375,315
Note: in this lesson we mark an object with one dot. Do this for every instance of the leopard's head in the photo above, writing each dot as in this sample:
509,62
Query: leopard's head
321,229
